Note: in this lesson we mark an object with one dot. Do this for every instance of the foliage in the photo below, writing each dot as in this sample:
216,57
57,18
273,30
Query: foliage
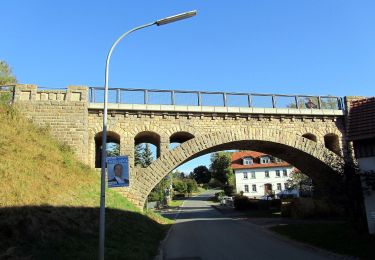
185,186
138,155
299,181
213,183
49,204
221,166
113,149
325,103
201,174
147,157
6,74
229,190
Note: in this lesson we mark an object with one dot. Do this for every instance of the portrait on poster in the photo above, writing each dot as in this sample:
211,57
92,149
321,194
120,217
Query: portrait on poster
118,171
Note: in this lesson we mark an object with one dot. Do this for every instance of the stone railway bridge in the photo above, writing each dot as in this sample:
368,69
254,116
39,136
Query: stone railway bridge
313,140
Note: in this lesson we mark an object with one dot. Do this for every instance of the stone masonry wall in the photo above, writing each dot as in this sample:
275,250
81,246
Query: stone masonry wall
65,112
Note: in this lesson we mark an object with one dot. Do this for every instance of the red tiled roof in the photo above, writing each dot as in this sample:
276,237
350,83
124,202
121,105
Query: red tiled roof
238,164
361,123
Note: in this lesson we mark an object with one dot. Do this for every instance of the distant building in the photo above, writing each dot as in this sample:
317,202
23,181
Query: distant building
258,174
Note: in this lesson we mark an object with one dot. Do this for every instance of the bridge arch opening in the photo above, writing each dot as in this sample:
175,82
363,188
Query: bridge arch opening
319,166
310,136
178,138
331,142
148,137
113,140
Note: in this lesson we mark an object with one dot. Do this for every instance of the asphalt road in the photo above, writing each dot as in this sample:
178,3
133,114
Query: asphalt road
202,232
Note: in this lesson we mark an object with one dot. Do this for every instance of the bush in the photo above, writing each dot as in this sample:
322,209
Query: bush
229,190
302,208
240,202
179,186
219,195
214,183
191,185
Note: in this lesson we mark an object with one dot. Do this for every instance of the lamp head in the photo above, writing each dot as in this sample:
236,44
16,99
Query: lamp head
175,18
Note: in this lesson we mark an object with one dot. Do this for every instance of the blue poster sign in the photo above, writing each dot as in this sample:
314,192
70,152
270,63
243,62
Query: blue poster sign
118,171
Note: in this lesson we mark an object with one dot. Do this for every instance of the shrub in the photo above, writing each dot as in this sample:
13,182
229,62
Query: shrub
219,195
214,183
229,190
240,202
179,186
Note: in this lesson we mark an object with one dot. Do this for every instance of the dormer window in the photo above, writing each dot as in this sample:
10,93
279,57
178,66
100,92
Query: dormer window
265,159
247,161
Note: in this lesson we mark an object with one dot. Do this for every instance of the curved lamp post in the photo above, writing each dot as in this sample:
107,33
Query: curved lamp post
163,21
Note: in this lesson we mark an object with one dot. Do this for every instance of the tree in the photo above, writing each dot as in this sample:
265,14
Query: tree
138,155
201,174
221,166
6,74
113,149
147,156
299,181
325,103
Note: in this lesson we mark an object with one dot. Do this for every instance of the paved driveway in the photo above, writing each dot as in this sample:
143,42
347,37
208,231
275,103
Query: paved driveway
202,232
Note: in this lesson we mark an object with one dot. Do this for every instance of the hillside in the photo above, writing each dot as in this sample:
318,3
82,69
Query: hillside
49,202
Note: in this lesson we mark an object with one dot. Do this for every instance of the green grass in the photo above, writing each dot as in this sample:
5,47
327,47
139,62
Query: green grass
175,203
340,238
49,203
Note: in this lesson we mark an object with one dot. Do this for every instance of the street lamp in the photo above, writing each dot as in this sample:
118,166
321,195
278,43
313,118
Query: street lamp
163,21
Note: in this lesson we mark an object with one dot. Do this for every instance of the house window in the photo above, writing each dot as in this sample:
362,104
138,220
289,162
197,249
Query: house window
247,160
246,187
253,175
285,186
277,173
267,174
245,175
279,186
254,188
264,160
285,173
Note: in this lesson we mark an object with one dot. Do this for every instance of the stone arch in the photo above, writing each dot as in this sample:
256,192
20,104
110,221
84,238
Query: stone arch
112,137
331,142
310,157
95,130
148,137
180,137
310,136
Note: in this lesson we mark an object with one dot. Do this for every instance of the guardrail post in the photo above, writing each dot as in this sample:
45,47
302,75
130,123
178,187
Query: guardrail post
296,100
118,95
273,101
145,92
225,99
199,98
249,100
319,102
93,99
173,98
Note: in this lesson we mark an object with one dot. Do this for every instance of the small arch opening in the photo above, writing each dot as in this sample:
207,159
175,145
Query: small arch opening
113,146
178,138
148,138
331,142
310,136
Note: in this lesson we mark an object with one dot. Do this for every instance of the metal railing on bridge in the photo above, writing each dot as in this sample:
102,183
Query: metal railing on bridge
207,98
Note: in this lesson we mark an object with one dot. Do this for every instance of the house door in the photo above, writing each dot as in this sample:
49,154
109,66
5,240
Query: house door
267,189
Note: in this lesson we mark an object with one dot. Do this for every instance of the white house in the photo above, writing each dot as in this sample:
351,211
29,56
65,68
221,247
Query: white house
259,174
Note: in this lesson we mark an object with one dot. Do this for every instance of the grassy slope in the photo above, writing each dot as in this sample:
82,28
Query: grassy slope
49,202
337,237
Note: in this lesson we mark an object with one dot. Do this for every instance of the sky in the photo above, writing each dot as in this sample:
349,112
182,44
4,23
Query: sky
316,47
